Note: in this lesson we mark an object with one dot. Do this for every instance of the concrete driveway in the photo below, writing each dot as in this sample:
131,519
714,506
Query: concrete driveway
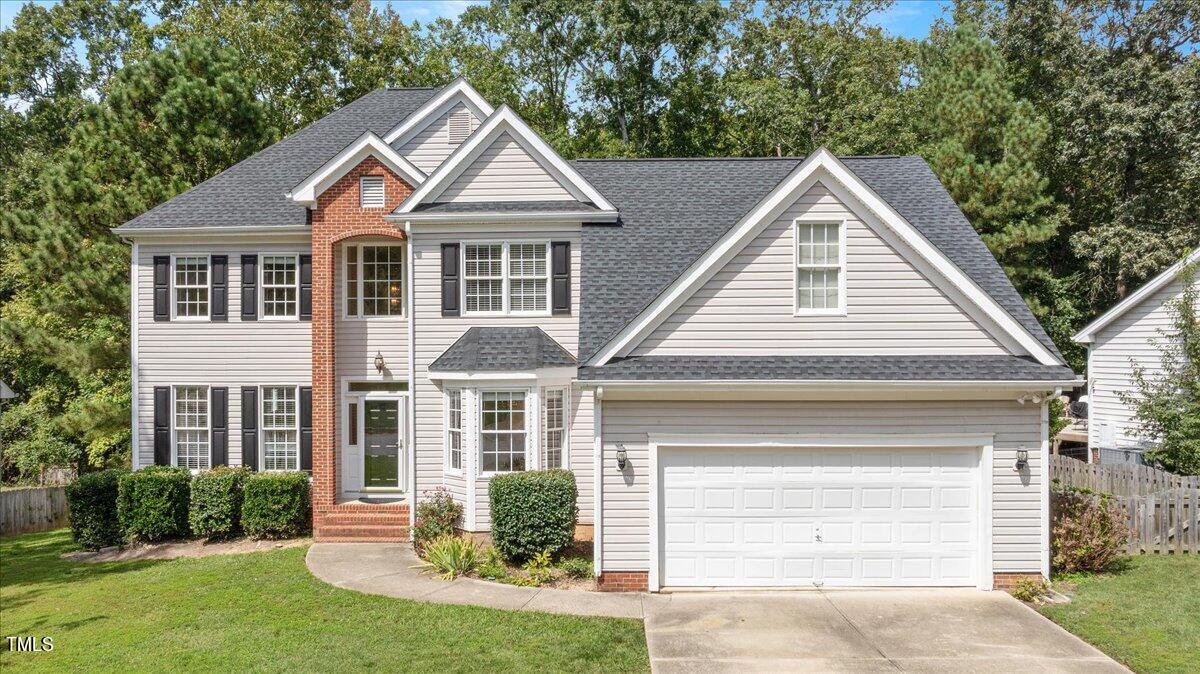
861,630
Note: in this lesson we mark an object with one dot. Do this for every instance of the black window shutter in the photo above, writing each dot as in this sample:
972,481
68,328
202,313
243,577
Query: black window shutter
451,280
220,426
162,425
306,287
250,427
218,308
560,284
162,287
306,428
249,287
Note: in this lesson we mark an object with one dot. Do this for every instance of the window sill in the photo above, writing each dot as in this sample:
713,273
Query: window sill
383,319
819,312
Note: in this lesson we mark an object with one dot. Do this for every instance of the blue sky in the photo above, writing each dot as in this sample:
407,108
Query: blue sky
909,18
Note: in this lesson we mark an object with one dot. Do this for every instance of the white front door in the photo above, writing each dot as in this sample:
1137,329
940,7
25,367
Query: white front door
750,517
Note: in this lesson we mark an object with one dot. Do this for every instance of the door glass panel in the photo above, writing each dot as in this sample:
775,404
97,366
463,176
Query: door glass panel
382,435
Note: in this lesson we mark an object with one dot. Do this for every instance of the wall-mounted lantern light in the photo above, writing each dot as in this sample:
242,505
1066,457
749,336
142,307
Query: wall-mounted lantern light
379,364
622,458
1022,459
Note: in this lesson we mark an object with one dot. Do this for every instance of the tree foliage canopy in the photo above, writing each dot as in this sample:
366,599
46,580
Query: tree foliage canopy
1068,132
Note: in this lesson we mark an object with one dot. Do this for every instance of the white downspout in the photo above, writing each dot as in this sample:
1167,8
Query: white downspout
598,482
410,430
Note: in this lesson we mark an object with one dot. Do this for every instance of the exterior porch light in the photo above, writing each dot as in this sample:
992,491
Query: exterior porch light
379,364
1022,459
622,458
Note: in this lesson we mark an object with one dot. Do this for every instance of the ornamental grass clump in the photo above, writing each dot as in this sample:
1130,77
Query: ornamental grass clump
452,556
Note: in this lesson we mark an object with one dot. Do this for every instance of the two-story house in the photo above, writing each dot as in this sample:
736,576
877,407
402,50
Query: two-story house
762,372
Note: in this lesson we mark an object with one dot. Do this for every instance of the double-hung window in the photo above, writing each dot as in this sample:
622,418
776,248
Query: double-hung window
454,429
280,287
281,431
192,427
502,431
374,281
820,268
554,427
506,278
191,286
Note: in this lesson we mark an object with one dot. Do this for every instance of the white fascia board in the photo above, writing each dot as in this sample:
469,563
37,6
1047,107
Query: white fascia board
503,120
563,217
1088,334
767,209
827,384
367,145
555,374
458,91
168,234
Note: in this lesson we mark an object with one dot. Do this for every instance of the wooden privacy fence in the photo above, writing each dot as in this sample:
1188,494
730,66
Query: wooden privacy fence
1123,480
34,509
1162,509
1163,523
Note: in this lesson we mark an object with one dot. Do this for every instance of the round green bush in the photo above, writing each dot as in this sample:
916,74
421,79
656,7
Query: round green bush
152,503
532,512
92,503
216,505
276,505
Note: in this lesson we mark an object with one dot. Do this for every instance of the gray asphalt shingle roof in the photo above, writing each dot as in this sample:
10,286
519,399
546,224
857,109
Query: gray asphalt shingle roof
841,368
252,192
503,349
673,210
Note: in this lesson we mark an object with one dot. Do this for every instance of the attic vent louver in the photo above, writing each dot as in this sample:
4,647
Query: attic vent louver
371,192
459,127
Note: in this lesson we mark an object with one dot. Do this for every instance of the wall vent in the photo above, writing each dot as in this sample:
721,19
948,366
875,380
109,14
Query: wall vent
459,127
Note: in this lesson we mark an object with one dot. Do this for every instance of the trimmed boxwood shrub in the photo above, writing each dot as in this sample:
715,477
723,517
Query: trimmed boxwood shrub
532,512
92,503
275,505
216,506
152,503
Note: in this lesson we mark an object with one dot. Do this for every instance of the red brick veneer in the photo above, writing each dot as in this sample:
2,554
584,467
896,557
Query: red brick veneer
1006,581
338,216
624,581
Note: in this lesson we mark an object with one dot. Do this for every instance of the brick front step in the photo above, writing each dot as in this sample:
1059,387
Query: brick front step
358,522
327,532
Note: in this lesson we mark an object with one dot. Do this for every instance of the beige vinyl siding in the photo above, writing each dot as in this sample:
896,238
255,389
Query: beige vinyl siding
435,333
1016,506
1118,348
504,171
747,308
429,148
231,353
356,341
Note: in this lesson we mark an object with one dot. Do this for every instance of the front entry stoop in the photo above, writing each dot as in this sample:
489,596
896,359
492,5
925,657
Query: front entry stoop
362,522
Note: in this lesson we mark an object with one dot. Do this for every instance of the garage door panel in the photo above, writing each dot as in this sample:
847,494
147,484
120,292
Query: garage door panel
871,517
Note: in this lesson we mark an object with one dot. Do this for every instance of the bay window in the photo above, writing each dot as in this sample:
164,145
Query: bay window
502,431
554,427
454,429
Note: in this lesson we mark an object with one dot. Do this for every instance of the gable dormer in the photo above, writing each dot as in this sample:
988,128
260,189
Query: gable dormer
504,161
429,135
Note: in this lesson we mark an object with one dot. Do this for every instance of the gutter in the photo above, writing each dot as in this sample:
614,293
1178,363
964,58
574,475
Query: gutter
518,216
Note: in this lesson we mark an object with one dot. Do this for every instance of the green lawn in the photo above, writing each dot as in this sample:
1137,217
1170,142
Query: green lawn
1147,615
264,612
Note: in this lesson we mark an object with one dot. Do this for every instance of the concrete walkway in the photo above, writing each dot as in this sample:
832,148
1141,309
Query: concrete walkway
804,630
388,569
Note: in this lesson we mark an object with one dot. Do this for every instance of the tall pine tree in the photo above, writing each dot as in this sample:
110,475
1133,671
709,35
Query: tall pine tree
983,143
170,121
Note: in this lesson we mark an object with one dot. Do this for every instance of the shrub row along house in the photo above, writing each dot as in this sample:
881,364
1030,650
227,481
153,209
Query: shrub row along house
761,372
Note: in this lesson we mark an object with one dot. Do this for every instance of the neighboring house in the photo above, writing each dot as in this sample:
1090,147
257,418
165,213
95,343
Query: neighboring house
762,372
1119,341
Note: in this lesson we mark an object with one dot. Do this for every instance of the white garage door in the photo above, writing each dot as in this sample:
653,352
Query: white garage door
827,517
